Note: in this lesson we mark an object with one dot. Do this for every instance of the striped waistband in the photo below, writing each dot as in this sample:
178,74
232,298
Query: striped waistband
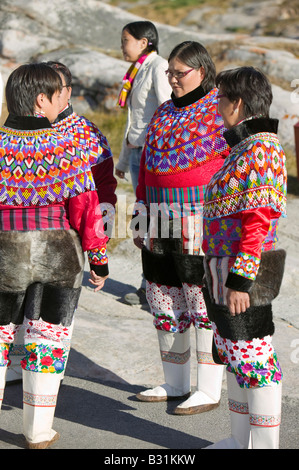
23,219
176,202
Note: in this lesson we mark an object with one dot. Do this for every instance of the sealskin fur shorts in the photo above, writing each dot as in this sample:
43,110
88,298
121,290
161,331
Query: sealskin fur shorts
41,275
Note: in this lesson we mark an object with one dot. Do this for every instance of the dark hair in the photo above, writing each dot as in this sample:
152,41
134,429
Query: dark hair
249,84
144,29
25,84
195,55
63,69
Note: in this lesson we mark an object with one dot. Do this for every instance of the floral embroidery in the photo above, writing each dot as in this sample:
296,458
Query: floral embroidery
222,236
4,348
264,420
175,309
253,362
44,358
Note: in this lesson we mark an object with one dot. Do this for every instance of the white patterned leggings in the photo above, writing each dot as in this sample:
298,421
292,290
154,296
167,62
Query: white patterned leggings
175,309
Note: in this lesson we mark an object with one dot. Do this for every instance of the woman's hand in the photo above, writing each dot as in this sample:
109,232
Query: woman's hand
237,302
120,174
97,281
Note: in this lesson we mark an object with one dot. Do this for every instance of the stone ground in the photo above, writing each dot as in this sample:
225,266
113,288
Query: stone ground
115,355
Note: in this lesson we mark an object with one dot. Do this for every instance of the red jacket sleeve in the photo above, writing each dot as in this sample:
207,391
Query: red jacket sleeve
255,227
86,218
105,181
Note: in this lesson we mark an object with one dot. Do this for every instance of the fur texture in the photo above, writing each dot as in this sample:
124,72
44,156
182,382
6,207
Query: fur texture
190,268
269,278
160,268
41,275
255,322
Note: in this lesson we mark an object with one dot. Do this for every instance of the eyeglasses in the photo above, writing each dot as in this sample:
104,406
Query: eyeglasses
177,75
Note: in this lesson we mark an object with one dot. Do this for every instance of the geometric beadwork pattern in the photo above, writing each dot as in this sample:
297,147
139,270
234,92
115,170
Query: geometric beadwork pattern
98,256
40,167
246,265
253,176
87,135
181,139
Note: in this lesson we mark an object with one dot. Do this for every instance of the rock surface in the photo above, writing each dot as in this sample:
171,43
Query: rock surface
85,35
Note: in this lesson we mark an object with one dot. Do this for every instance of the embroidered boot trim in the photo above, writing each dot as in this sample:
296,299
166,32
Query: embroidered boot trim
39,400
174,357
237,407
205,358
267,421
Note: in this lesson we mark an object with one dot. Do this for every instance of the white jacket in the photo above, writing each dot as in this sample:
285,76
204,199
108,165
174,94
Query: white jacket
150,89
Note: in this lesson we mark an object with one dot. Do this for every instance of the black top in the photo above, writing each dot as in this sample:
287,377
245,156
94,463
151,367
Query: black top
65,113
189,98
241,131
29,123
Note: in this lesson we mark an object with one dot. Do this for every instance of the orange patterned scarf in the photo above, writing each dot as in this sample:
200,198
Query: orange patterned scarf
128,80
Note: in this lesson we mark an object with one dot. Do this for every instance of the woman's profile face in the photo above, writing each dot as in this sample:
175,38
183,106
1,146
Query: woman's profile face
52,108
132,48
231,111
66,93
182,84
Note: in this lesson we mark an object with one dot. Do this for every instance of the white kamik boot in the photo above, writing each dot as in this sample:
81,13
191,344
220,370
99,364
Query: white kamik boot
39,402
14,371
3,371
265,415
209,378
239,417
175,355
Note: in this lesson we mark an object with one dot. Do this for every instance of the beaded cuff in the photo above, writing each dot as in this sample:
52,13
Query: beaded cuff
246,265
98,256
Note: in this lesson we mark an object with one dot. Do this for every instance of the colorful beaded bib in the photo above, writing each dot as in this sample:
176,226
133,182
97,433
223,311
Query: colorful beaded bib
40,167
181,139
87,135
253,176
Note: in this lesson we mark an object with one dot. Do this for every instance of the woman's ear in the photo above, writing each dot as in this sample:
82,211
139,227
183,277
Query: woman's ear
238,106
40,103
144,43
202,72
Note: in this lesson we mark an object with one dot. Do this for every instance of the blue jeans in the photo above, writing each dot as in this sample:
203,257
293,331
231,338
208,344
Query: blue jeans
134,165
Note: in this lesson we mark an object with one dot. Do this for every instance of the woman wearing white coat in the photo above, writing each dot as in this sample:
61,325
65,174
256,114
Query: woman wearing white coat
145,87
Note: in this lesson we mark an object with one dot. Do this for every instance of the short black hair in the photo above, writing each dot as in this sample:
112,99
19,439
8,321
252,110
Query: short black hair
63,69
25,84
195,55
249,84
144,29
